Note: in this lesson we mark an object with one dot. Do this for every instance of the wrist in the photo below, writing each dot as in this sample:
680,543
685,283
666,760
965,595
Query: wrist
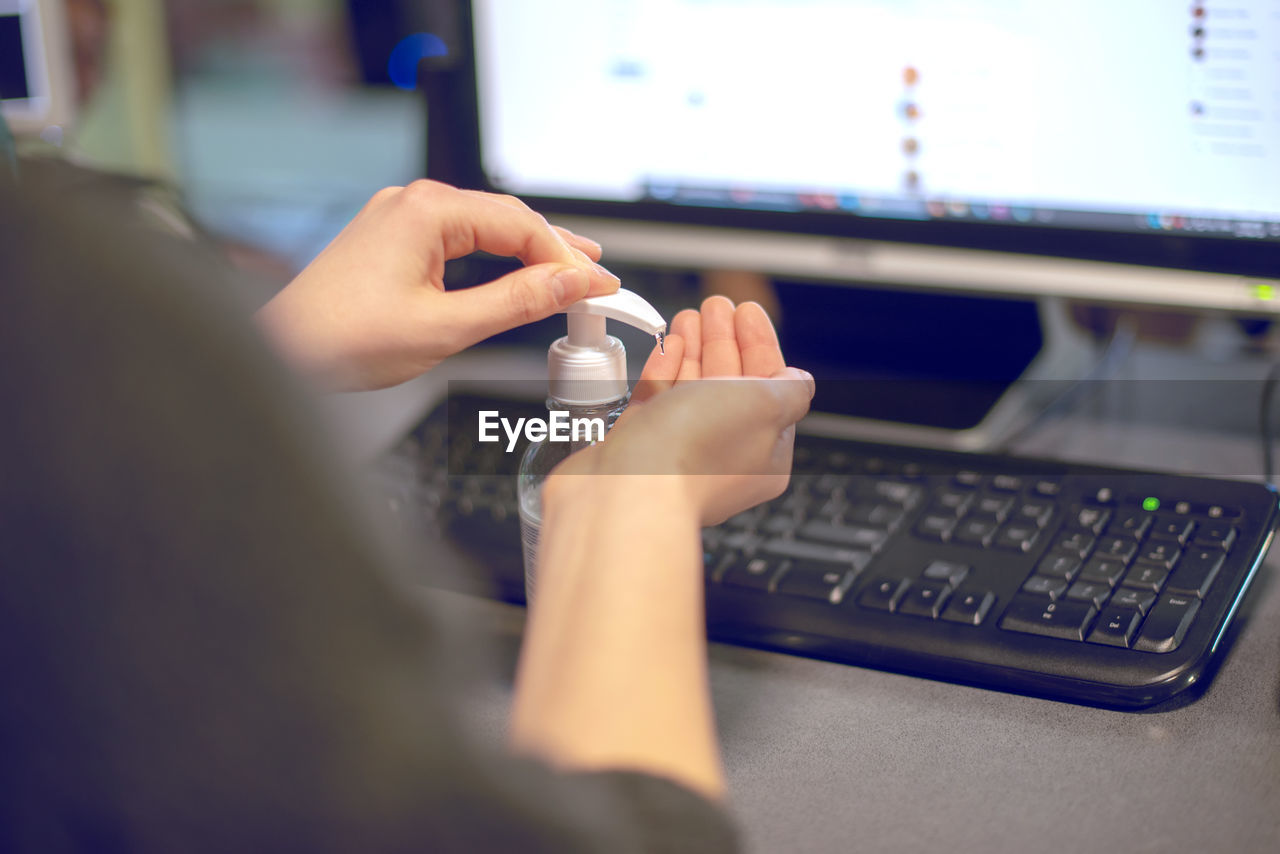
621,497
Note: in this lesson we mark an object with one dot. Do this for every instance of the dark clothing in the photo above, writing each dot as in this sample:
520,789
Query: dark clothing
204,644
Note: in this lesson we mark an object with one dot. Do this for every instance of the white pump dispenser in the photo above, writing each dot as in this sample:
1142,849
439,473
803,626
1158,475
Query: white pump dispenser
588,366
587,378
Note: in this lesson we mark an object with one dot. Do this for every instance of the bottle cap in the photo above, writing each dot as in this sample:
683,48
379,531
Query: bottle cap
588,366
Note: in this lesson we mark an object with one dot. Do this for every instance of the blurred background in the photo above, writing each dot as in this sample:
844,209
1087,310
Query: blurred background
277,118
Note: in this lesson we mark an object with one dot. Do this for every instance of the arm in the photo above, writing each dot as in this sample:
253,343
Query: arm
613,672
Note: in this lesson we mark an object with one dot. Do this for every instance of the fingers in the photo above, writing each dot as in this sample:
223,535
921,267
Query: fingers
720,354
757,341
585,245
531,293
468,221
688,326
793,389
661,369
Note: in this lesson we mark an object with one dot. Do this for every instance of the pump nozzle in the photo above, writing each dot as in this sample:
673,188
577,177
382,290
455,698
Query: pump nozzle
589,365
625,305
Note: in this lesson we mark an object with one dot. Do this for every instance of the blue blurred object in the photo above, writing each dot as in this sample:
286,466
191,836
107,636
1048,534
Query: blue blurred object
402,66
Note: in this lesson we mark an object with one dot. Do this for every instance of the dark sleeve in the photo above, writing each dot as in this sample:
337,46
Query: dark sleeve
204,645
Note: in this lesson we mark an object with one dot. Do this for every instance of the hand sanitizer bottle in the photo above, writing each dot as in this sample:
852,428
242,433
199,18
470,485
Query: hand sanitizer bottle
588,381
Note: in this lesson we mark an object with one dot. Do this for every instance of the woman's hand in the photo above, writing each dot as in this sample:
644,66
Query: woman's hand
719,409
371,310
613,671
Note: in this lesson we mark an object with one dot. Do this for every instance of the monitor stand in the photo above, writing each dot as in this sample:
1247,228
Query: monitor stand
928,368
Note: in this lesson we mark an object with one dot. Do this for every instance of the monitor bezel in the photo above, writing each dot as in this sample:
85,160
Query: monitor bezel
53,102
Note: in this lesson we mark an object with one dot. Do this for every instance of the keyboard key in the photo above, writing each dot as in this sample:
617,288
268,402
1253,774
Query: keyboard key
800,550
1037,616
1006,483
1058,566
1077,543
947,571
1167,623
816,581
1047,488
924,599
1173,527
1039,512
1122,549
853,536
1089,518
886,516
912,471
969,608
1128,597
904,494
831,484
1145,576
1042,585
757,573
1215,534
717,564
955,501
1017,536
1084,591
975,531
934,527
1218,511
1161,553
967,479
1102,570
779,523
995,506
1196,571
743,541
1131,523
884,594
1116,626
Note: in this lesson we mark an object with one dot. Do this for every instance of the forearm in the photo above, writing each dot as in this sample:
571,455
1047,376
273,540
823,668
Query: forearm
613,673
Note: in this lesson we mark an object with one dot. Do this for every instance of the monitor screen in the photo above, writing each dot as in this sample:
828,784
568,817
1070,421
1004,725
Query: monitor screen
35,74
14,81
1144,133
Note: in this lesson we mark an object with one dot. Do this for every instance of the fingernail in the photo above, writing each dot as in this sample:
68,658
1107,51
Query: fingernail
809,380
569,285
606,273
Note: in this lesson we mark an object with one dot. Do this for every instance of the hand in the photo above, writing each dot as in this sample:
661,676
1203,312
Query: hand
613,670
729,435
371,310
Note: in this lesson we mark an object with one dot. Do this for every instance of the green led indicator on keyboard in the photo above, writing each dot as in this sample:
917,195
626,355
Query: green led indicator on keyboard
1150,504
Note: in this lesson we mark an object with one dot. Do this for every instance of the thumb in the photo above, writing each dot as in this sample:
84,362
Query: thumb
523,296
794,389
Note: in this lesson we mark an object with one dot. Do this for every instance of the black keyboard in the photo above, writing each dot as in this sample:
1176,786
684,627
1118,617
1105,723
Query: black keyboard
1082,583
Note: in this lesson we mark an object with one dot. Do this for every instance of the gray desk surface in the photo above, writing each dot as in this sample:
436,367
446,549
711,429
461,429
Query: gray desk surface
824,757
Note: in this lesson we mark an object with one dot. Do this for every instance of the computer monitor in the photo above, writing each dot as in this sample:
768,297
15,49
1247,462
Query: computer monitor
1101,150
36,79
955,169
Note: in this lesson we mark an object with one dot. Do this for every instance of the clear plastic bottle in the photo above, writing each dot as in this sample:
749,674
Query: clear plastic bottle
538,461
587,377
